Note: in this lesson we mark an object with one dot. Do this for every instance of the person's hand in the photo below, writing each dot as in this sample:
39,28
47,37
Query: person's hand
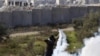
45,40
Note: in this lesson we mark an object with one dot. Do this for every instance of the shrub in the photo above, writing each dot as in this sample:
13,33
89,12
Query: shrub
73,42
3,31
86,25
39,47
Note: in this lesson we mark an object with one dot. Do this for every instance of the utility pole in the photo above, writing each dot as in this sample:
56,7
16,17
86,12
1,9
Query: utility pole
28,2
14,3
57,2
33,2
6,2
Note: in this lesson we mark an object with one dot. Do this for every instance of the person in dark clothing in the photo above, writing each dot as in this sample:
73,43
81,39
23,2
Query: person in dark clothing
50,44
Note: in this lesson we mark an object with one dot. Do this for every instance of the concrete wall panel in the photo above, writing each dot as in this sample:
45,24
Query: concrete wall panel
44,16
6,19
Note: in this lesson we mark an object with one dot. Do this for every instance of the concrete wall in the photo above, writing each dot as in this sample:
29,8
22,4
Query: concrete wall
60,15
41,16
22,18
6,18
78,11
36,16
44,16
93,8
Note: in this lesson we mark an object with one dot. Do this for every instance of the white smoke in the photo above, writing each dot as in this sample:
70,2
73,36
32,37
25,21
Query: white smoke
61,45
91,48
3,8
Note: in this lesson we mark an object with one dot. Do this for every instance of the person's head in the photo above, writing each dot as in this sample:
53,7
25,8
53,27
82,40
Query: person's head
52,38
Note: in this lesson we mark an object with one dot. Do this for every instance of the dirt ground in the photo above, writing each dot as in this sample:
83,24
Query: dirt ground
37,32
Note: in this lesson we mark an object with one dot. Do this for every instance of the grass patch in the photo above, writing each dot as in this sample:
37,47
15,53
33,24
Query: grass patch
74,44
39,47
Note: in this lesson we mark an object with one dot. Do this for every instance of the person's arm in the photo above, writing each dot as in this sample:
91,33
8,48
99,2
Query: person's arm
46,41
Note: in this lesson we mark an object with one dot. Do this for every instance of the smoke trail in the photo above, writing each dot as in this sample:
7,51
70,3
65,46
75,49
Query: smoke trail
61,45
3,8
91,48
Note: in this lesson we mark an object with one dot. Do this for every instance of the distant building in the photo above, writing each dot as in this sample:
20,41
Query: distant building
46,2
92,1
19,2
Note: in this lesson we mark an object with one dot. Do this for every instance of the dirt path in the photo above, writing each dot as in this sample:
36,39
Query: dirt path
37,32
24,34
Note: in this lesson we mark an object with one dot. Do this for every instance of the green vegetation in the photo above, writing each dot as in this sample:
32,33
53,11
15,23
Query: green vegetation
39,47
86,26
11,47
22,46
3,33
74,44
